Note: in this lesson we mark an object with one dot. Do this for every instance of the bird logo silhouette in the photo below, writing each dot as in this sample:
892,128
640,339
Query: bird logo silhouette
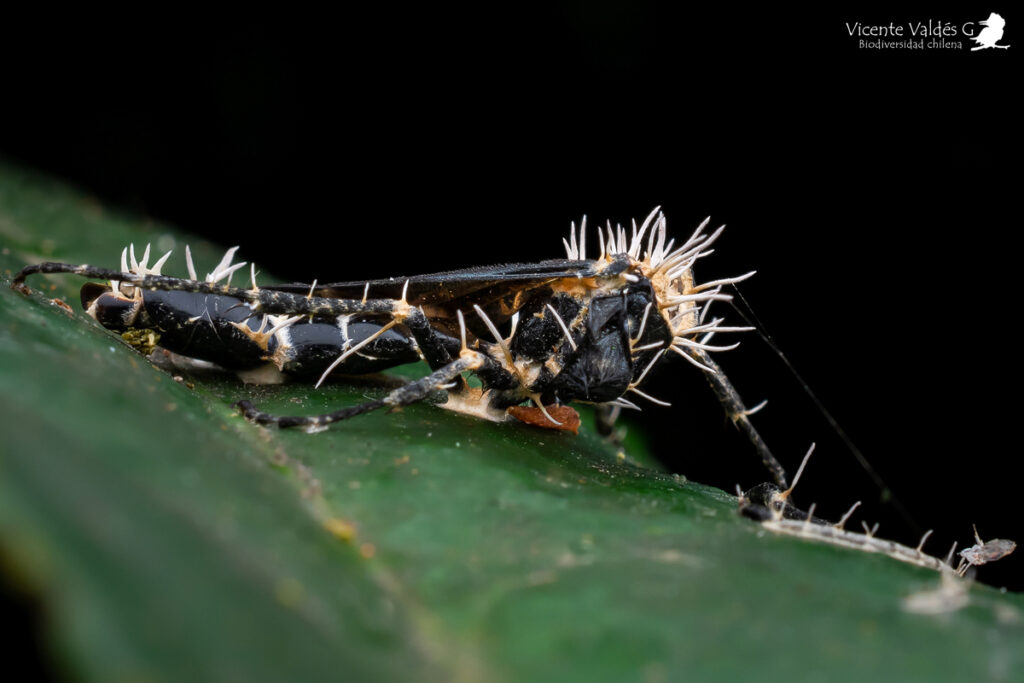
991,34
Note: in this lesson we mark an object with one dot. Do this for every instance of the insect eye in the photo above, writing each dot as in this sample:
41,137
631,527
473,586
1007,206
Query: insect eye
90,292
110,309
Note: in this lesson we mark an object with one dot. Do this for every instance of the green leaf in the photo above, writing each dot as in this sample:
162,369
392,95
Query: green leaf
168,539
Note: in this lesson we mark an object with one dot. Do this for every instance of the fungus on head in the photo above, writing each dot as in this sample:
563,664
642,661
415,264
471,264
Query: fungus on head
681,301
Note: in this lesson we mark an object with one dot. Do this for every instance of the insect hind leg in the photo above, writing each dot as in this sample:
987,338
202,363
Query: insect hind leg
260,300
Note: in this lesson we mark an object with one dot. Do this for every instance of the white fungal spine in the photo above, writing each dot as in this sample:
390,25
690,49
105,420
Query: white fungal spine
835,534
224,269
680,300
278,324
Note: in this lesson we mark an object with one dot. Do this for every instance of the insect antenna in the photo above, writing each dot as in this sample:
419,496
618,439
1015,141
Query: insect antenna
887,493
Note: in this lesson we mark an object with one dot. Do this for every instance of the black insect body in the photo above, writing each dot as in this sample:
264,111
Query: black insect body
545,334
223,330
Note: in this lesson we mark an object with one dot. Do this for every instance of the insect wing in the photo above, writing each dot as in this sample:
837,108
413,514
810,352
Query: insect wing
500,290
452,285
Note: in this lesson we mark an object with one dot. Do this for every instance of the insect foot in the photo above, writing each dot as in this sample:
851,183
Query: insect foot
769,506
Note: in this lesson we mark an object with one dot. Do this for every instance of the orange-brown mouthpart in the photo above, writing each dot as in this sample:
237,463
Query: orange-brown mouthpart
533,415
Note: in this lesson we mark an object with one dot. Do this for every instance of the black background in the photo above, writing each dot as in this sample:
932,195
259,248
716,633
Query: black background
870,189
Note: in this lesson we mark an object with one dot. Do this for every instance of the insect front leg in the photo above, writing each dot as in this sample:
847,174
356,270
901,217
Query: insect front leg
737,411
404,395
605,417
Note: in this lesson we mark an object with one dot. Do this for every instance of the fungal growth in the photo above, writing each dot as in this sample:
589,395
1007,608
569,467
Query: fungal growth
769,505
538,336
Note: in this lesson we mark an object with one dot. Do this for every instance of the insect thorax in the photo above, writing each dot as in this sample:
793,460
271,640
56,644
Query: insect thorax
577,344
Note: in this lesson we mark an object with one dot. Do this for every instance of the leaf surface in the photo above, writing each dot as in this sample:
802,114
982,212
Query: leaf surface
168,539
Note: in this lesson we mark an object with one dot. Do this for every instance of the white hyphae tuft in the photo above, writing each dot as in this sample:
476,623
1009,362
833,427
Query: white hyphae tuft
131,264
224,269
682,301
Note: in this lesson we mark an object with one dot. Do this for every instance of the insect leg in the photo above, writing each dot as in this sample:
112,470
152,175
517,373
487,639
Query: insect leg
404,395
437,348
605,416
259,300
737,412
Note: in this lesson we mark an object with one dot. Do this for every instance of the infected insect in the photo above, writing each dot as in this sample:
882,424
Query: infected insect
538,336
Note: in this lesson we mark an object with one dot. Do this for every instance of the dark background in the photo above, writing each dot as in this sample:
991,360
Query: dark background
870,189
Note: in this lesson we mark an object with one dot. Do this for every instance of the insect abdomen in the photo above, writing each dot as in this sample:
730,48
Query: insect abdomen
224,330
204,326
306,349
